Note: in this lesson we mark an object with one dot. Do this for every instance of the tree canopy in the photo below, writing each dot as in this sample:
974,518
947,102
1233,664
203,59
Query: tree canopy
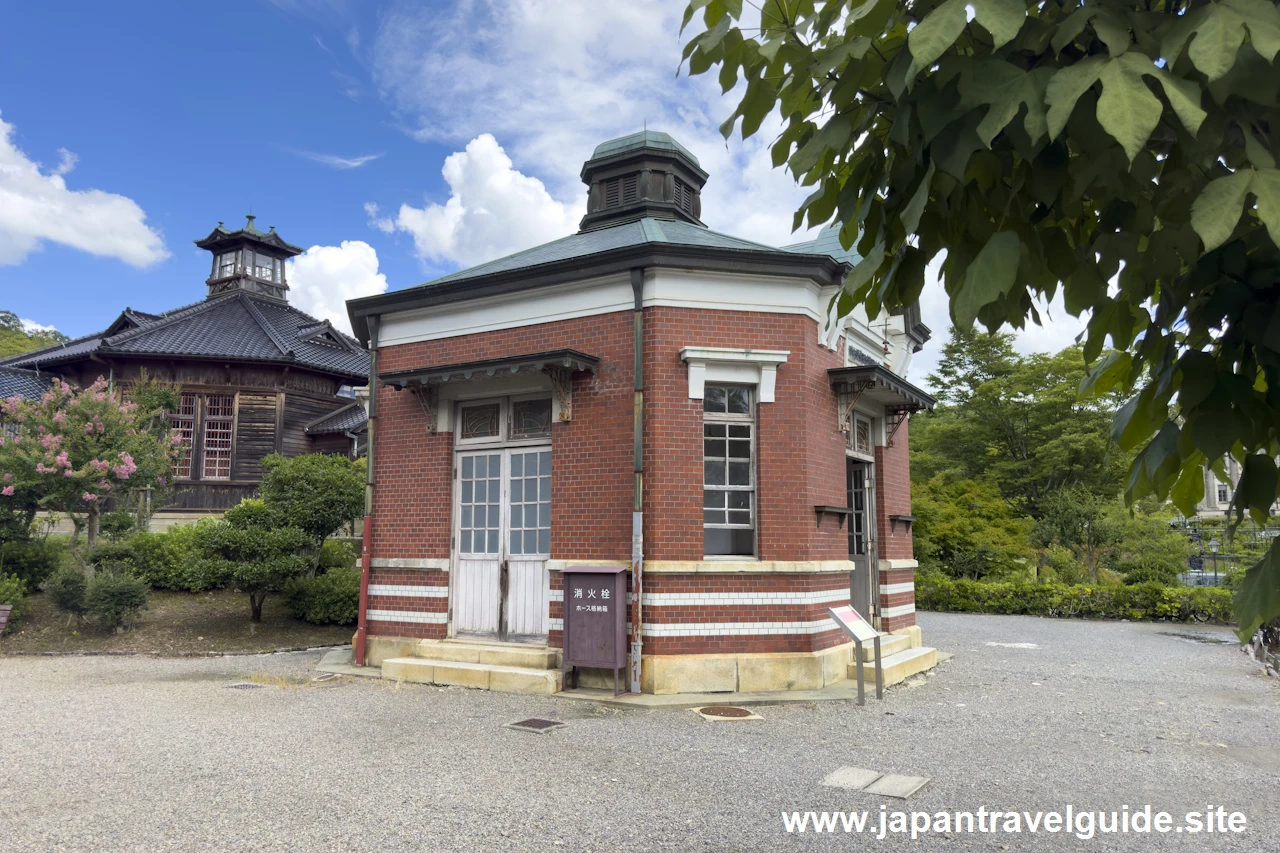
15,339
1121,153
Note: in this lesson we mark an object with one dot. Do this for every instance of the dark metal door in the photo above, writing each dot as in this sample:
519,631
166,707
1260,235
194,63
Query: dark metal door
860,551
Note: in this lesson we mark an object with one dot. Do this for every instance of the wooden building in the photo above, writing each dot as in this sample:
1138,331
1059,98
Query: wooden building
257,376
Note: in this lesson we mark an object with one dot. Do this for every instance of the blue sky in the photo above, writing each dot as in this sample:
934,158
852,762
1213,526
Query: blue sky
396,141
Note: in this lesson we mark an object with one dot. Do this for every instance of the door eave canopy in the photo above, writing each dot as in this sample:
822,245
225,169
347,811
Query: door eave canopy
567,360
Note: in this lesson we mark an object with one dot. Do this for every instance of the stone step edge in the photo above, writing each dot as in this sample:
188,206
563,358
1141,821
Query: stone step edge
486,667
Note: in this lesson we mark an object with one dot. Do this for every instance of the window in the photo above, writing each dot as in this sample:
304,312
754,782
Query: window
219,414
225,265
183,422
481,504
264,266
524,419
728,494
862,435
682,195
211,418
531,503
1224,494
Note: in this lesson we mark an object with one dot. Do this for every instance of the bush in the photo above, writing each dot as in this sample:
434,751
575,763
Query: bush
33,560
162,559
239,554
317,493
117,525
337,555
935,591
332,598
1146,570
251,512
114,599
66,589
13,590
113,557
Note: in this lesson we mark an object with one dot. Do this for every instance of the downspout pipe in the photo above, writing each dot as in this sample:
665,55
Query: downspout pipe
366,539
637,508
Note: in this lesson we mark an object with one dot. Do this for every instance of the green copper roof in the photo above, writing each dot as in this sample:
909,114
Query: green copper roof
643,139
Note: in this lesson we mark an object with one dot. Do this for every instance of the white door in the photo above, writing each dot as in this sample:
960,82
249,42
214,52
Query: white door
501,585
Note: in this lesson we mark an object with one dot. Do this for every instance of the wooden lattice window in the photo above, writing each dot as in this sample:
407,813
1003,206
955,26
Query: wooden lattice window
183,423
219,416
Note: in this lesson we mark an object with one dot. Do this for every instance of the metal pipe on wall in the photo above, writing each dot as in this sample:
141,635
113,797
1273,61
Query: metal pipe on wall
637,509
366,539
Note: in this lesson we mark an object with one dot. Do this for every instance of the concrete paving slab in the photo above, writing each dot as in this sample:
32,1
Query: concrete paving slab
339,662
893,785
851,778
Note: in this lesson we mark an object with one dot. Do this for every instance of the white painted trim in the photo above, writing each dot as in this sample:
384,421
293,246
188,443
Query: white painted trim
897,588
408,590
407,616
900,610
896,565
434,564
721,364
693,599
561,565
736,629
751,567
591,297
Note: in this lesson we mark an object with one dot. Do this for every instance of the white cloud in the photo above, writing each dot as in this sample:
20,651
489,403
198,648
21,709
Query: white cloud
335,161
493,210
31,327
323,278
554,79
37,207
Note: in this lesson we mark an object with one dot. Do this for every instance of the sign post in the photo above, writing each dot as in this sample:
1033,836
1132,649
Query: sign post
860,630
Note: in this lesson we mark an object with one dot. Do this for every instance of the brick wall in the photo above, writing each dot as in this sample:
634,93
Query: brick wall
893,497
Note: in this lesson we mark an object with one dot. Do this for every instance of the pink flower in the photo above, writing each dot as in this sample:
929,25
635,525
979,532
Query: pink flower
100,465
62,460
88,429
89,496
60,418
6,491
8,478
162,480
68,473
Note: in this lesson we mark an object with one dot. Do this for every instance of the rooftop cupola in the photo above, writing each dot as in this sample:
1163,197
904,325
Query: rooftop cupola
248,260
644,174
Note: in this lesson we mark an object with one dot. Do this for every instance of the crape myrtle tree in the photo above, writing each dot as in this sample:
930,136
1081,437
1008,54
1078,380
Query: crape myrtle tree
1121,153
74,448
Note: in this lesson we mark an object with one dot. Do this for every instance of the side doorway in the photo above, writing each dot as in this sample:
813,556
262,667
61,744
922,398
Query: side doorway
860,487
502,522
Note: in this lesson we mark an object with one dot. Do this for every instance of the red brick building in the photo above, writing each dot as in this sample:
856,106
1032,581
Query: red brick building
648,394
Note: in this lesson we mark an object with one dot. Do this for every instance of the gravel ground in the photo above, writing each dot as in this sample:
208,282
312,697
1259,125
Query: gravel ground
124,753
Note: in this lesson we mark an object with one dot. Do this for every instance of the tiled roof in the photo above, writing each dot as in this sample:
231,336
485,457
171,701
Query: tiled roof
21,383
350,418
584,243
827,243
637,141
234,326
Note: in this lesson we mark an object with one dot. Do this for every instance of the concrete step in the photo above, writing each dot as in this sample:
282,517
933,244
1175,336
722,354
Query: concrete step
483,676
889,645
494,654
898,667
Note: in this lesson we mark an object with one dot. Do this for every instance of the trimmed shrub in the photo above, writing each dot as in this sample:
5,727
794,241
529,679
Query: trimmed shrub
33,560
113,557
66,589
162,559
114,599
1150,571
335,554
1145,601
13,590
117,525
332,598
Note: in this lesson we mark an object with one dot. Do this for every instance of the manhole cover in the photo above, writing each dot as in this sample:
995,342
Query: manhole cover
244,685
536,725
726,711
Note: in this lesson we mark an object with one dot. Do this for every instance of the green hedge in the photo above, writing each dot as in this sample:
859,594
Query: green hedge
1140,601
13,590
332,598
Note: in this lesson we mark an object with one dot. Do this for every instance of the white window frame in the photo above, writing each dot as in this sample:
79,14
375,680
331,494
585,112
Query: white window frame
724,366
504,438
754,490
868,455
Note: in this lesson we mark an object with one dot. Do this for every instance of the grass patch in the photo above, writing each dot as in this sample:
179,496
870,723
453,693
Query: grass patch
176,624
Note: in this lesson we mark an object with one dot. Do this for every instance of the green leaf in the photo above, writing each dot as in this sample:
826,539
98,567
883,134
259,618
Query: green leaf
911,213
1189,490
937,32
1257,153
1263,20
1127,109
1072,26
1256,490
1002,18
1184,96
1218,37
1005,87
1215,429
1066,87
1112,30
833,135
1266,186
1216,211
1106,375
1257,601
990,276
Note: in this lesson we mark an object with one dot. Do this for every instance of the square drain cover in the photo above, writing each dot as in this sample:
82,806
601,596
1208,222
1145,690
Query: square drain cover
892,785
536,725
